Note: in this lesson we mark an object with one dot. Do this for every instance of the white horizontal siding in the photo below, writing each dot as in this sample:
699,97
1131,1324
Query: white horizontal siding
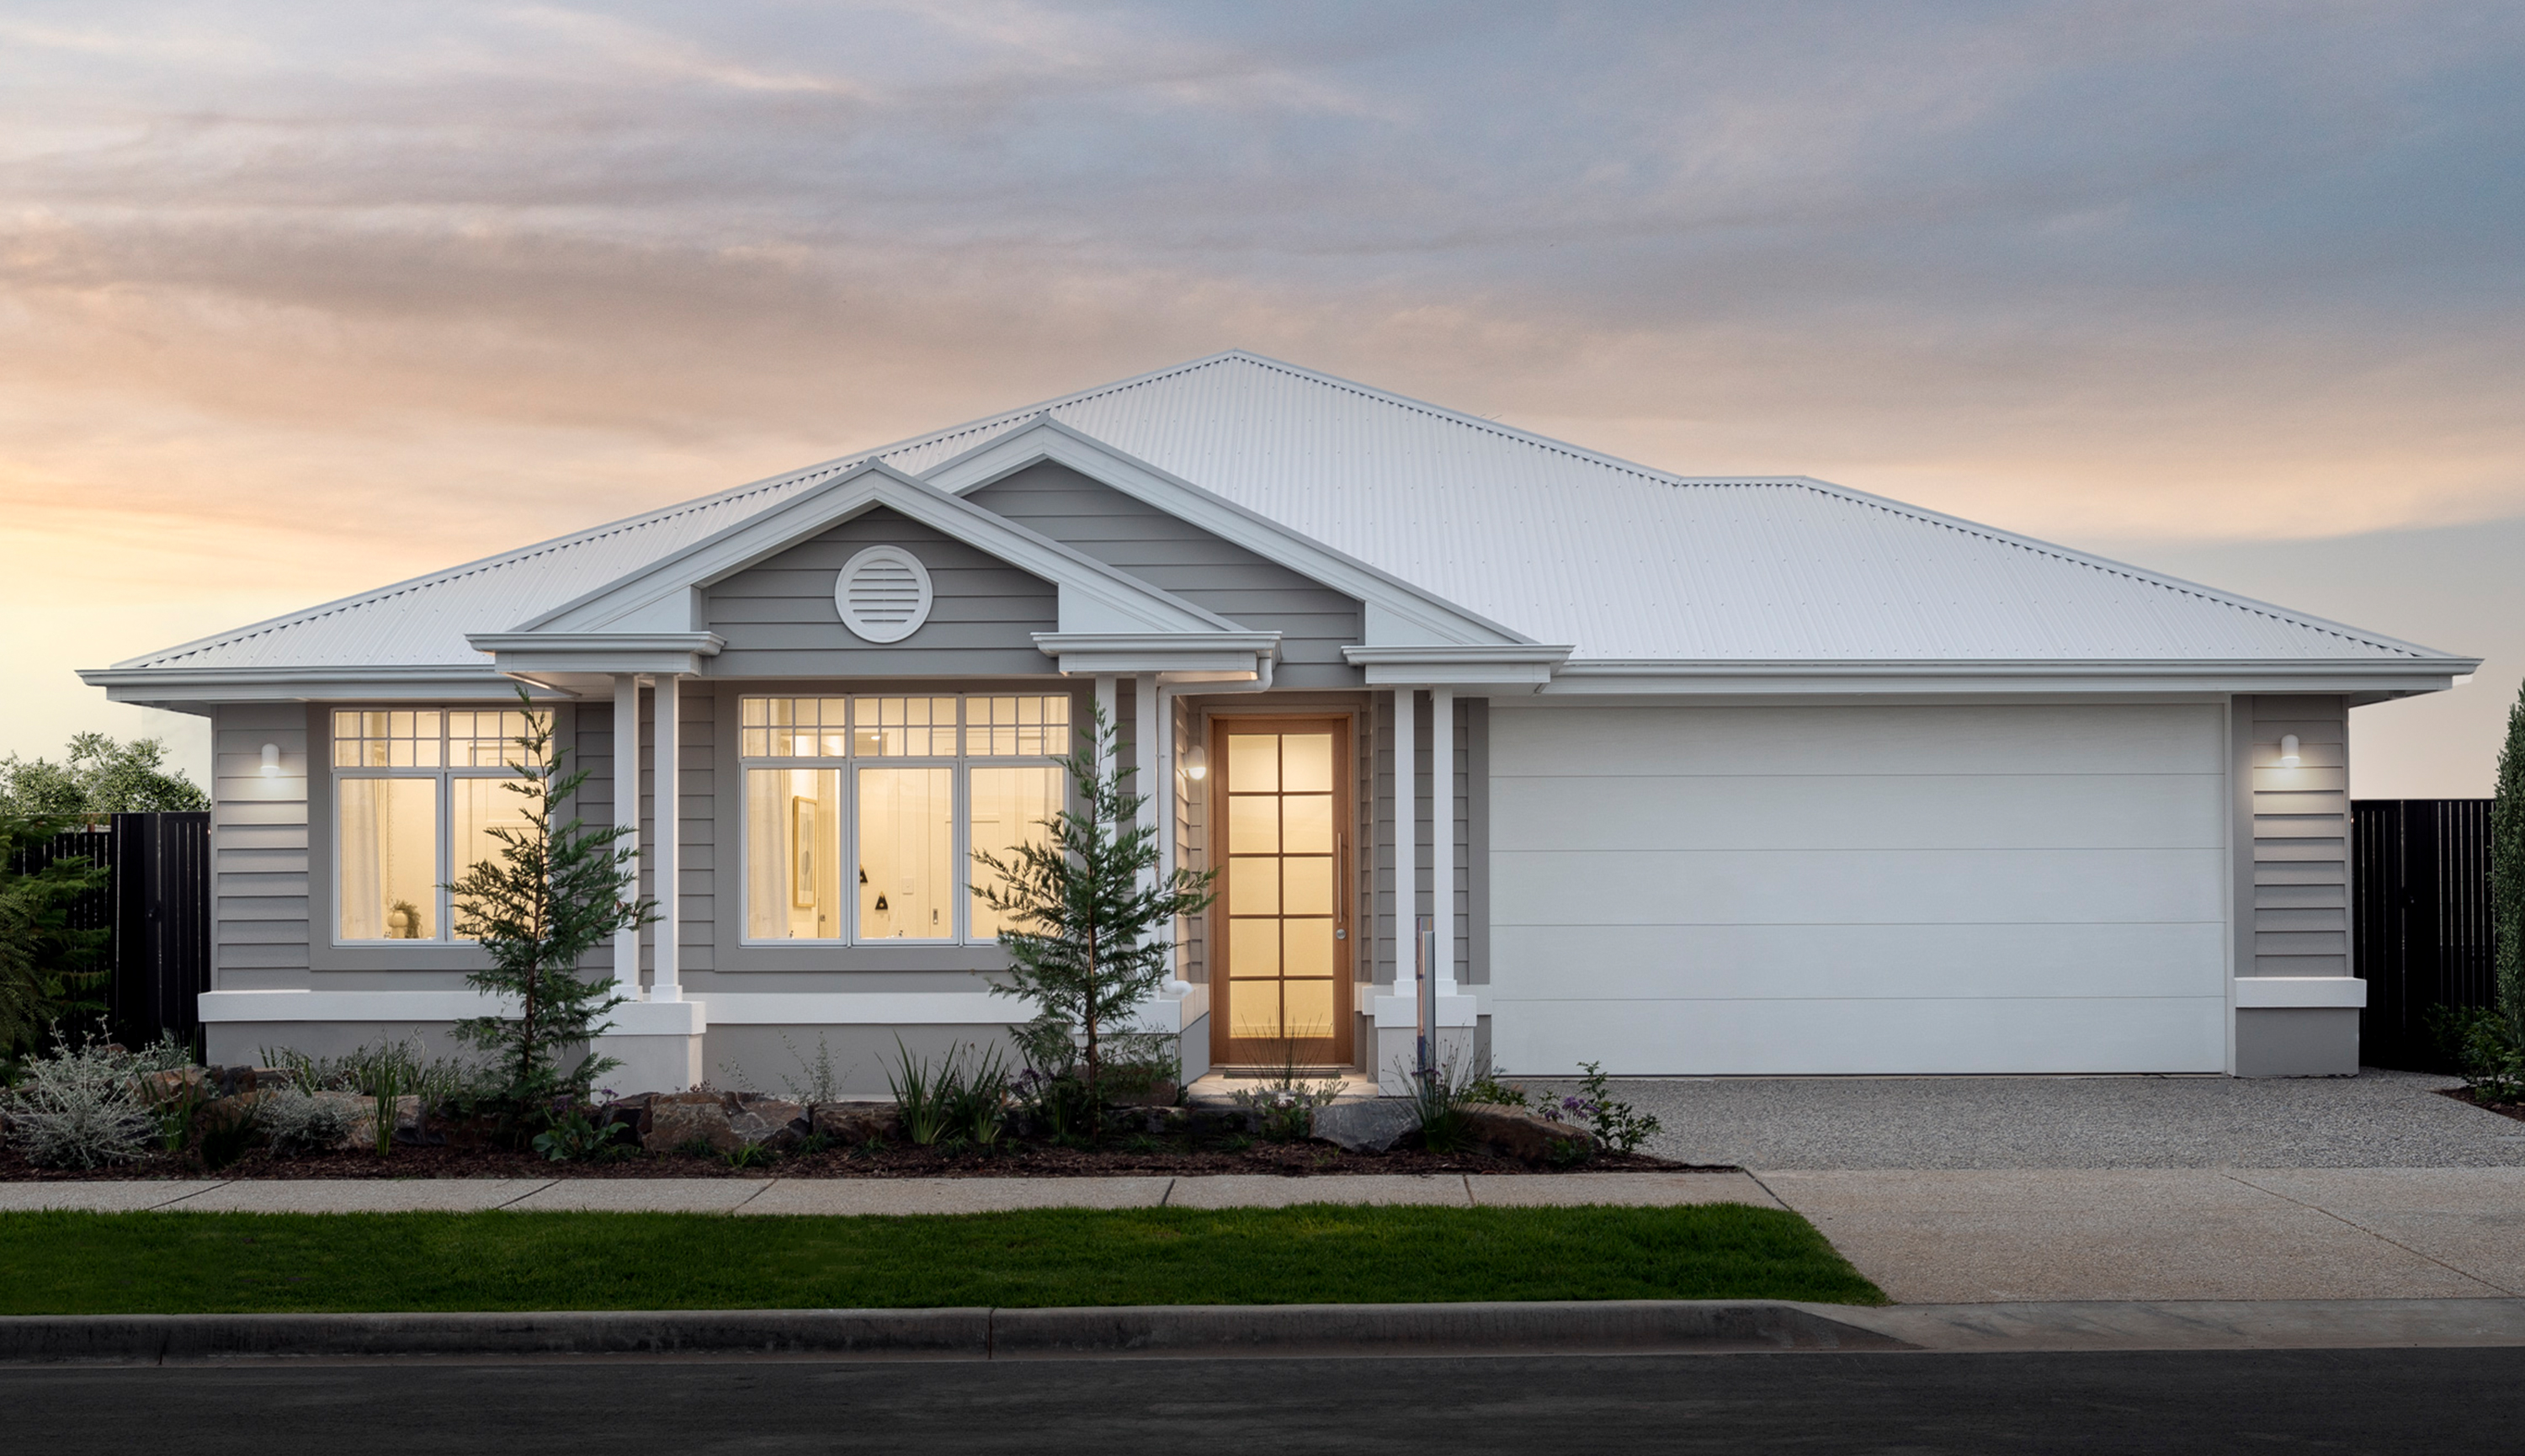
1844,890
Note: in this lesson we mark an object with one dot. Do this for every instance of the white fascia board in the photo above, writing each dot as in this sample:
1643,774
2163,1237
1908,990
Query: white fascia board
868,488
1231,656
166,687
1048,439
2382,677
2279,992
1444,665
598,652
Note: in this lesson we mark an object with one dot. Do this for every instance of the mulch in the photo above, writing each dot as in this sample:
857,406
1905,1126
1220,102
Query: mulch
2514,1109
463,1159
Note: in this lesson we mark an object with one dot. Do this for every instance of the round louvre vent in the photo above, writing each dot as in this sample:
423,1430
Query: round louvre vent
883,594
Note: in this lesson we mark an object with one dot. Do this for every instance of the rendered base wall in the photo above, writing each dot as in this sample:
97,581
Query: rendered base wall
2297,1042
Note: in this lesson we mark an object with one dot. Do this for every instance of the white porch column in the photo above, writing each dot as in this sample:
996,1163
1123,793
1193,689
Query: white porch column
1397,1013
657,1041
1442,833
664,855
1406,869
1106,701
627,816
1144,761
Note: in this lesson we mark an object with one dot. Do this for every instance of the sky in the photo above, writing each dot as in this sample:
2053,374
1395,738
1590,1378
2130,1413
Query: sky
298,300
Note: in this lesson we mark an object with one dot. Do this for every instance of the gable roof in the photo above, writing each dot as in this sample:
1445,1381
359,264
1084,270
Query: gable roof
1557,544
801,514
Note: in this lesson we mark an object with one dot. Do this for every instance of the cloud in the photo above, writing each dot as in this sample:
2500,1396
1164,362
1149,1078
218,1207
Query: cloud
346,293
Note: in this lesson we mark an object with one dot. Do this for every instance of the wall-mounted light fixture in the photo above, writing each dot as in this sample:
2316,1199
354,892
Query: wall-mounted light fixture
1196,761
2288,751
271,760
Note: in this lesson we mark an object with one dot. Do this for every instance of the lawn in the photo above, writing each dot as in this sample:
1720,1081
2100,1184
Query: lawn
173,1263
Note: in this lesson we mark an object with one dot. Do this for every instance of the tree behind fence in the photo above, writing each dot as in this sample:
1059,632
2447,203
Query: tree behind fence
156,903
2420,920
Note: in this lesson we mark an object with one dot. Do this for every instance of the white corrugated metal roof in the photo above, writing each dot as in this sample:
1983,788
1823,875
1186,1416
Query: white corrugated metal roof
1621,562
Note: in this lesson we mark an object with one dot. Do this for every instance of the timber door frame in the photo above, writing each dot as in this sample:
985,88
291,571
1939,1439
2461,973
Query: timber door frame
1343,724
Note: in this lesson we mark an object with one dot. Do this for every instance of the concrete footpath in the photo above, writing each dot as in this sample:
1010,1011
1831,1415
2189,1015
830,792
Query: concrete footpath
875,1196
1922,1235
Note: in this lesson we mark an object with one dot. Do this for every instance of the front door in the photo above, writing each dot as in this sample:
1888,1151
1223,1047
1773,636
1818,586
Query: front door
1281,989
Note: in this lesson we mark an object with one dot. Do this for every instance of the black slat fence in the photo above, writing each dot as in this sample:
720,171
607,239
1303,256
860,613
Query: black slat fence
2420,921
156,903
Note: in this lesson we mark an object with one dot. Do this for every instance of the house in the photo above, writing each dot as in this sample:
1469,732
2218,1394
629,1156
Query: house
1683,776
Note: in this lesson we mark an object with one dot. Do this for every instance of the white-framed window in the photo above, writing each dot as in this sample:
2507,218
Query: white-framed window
417,792
861,812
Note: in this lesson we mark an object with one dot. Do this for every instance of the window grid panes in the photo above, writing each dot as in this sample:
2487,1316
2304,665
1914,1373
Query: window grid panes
882,851
419,794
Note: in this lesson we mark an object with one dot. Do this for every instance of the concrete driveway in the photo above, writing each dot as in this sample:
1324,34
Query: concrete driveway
2001,1188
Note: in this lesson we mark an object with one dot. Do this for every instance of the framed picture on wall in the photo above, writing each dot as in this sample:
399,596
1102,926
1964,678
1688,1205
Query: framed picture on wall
802,852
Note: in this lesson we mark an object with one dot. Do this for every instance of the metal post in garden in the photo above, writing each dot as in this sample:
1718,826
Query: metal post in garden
1425,952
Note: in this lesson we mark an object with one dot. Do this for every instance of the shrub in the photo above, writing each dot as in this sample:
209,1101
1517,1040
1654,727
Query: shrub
295,1121
1439,1098
47,968
1283,1108
578,1138
80,1107
967,1103
1616,1123
819,1081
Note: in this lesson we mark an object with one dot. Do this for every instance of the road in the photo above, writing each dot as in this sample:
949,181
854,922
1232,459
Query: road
2442,1402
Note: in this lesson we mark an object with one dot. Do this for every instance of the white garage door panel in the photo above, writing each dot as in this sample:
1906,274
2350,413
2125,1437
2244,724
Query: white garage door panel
1858,889
1806,962
1740,1038
1918,811
1878,886
1620,742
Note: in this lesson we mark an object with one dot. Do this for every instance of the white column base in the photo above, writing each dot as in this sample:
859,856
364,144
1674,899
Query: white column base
659,1044
1398,1026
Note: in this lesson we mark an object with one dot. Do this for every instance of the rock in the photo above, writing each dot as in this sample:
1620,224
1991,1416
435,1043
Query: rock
220,1112
1522,1134
1364,1125
674,1121
764,1119
170,1088
853,1123
362,1110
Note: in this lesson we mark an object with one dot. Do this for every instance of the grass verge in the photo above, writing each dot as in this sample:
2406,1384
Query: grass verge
185,1263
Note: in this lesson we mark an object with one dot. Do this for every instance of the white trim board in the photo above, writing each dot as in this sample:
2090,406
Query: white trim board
2273,993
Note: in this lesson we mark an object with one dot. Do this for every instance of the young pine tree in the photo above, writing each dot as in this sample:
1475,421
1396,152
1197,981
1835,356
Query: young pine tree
557,891
2508,886
1086,949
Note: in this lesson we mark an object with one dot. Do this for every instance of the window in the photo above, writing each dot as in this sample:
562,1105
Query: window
862,812
416,793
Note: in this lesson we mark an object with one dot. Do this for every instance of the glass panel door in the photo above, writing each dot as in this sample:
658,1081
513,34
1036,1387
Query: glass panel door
1283,991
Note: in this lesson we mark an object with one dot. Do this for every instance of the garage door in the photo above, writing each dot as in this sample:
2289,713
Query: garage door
1925,889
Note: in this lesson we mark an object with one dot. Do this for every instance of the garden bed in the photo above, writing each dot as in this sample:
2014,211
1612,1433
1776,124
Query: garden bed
2514,1109
472,1155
